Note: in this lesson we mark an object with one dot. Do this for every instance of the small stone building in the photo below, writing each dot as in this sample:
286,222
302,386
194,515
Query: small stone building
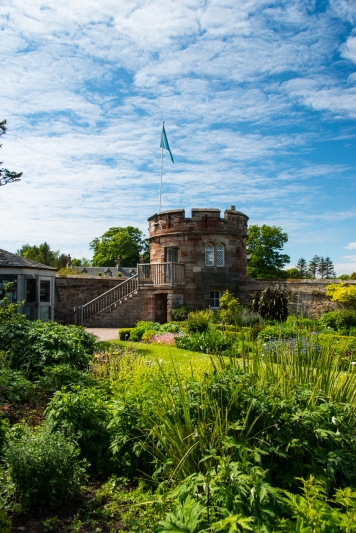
33,283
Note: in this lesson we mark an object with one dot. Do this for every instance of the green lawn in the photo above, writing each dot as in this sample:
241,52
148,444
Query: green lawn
164,354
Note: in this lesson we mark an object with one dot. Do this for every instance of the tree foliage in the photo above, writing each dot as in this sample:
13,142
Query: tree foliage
264,244
320,266
302,267
43,254
343,293
7,176
127,242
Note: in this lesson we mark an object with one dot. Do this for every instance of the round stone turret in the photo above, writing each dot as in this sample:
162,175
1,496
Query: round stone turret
213,249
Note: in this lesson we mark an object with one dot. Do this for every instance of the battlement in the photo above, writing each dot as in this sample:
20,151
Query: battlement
202,220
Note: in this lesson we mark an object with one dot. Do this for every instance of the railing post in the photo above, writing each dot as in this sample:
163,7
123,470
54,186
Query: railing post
172,274
138,275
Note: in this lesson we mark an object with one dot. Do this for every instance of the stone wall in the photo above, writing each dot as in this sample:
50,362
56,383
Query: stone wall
307,296
73,291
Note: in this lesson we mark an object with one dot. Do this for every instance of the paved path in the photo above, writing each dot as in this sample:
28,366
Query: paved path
104,334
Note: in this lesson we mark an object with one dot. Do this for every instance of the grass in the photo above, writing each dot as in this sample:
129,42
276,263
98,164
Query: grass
164,354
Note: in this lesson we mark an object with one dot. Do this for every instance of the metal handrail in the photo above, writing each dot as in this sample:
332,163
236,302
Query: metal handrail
108,298
69,318
161,274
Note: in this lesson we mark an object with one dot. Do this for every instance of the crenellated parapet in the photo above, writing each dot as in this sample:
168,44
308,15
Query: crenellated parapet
203,220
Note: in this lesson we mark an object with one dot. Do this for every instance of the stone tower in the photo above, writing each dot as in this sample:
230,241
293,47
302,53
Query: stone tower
213,250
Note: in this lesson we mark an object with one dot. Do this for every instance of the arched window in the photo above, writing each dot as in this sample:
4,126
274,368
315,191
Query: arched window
220,255
209,255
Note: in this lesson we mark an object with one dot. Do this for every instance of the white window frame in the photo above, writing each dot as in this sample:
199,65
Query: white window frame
220,247
209,250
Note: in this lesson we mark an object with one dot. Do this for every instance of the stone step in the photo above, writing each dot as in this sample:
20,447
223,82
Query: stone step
125,314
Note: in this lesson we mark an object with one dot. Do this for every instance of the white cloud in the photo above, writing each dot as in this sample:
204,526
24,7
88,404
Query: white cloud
351,246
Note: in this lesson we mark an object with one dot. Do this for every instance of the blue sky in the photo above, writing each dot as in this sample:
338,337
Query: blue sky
259,99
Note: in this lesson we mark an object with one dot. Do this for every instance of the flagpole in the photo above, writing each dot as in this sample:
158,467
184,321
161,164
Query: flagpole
160,189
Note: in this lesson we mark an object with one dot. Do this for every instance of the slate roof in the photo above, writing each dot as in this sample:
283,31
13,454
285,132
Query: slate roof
105,271
7,259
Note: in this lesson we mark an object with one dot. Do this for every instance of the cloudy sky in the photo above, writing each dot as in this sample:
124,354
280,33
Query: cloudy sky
259,99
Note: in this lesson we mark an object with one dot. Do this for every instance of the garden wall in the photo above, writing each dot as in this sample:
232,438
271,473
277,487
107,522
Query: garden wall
78,290
308,296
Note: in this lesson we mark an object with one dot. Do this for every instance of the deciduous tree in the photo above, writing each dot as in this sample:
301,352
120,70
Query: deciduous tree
264,244
7,176
128,243
43,254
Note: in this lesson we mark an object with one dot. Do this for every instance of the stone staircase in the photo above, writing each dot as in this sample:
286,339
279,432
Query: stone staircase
117,307
123,314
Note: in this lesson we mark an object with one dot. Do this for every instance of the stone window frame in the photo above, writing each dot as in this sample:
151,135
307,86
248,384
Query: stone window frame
220,245
209,250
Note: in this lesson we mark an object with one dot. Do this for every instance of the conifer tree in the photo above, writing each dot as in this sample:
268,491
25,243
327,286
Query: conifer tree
329,268
302,267
313,266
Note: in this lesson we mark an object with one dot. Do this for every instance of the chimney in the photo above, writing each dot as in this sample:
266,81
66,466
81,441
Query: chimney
141,259
118,262
69,261
232,208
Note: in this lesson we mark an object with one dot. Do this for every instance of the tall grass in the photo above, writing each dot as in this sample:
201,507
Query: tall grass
192,426
301,362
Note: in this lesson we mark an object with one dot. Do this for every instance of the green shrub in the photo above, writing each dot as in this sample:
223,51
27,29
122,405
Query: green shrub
36,344
199,321
82,414
271,304
170,327
63,375
14,387
229,308
5,522
211,341
119,274
277,332
338,320
149,334
129,436
4,425
180,313
124,334
44,467
136,334
141,327
241,415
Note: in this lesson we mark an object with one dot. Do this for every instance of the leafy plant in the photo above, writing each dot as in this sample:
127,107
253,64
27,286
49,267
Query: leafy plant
338,320
82,414
37,344
271,304
14,386
199,321
5,522
180,313
44,467
64,375
229,309
148,334
124,334
343,293
211,341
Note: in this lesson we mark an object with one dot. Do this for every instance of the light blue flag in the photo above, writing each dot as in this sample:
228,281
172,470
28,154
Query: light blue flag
164,142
